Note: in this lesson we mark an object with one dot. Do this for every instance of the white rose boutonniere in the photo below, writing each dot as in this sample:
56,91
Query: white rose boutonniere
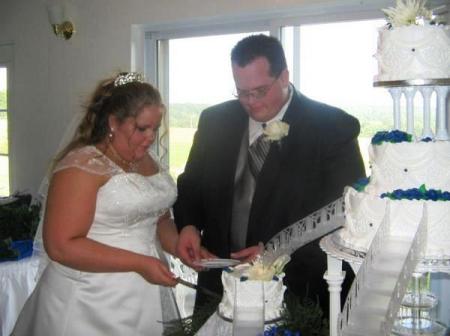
277,130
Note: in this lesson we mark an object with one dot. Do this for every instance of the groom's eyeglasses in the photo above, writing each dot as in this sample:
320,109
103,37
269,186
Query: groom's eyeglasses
257,94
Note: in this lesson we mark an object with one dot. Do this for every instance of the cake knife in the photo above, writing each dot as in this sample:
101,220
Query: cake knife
197,287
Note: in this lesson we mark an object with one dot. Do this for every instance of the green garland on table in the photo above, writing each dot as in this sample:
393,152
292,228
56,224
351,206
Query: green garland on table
18,222
6,250
300,316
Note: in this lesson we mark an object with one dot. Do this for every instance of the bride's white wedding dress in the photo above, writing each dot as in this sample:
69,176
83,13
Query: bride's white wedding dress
68,302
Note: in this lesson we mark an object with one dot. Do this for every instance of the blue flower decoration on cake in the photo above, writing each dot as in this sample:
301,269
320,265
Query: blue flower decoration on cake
277,331
418,194
361,183
245,278
395,136
427,139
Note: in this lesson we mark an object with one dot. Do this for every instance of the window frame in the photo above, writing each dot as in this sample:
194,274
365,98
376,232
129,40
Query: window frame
156,47
6,61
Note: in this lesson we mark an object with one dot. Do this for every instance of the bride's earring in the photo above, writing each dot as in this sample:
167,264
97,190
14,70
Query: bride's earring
111,134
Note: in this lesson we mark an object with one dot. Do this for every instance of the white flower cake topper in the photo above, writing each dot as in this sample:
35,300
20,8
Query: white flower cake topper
407,12
261,269
277,130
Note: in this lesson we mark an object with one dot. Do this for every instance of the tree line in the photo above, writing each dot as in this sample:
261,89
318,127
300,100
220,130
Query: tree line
186,115
372,120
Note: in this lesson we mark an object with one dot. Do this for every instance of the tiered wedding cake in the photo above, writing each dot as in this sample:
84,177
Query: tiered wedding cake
408,170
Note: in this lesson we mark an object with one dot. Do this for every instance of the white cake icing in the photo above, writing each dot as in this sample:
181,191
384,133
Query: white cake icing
413,52
407,165
401,166
409,47
244,292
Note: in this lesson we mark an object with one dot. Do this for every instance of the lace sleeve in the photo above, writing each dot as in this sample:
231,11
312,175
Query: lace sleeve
89,159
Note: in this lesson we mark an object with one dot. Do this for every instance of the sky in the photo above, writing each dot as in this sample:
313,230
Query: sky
200,69
337,64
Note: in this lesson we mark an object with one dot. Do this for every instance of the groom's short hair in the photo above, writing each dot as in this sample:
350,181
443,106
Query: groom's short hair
254,46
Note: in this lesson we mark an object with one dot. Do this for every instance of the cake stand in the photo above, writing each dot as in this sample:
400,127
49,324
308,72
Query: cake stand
337,252
441,86
334,275
331,244
409,88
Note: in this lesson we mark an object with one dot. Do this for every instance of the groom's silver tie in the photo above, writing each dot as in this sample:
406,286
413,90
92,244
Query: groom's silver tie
245,182
257,153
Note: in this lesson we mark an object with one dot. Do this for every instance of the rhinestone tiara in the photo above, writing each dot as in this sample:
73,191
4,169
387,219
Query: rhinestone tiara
128,77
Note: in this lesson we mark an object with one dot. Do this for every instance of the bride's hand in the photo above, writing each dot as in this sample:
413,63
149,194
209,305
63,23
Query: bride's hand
156,272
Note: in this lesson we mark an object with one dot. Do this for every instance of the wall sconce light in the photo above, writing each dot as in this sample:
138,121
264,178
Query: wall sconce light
62,26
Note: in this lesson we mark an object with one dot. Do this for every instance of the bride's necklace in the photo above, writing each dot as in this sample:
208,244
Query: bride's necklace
131,166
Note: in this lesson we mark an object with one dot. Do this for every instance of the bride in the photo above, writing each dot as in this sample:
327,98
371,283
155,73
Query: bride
107,215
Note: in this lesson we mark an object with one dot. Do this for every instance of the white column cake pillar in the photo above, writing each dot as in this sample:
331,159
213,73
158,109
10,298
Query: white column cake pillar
396,94
426,92
409,92
334,277
441,120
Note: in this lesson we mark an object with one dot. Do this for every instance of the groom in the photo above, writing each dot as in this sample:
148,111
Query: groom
237,190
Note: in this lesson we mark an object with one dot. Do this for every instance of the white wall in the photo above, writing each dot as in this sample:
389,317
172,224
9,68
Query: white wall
52,77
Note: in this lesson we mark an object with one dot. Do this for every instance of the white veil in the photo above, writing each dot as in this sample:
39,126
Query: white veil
38,244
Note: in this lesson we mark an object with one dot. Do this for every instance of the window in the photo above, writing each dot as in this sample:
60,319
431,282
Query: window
4,152
330,62
335,64
199,76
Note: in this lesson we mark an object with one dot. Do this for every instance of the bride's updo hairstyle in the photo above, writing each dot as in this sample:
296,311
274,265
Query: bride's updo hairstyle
122,96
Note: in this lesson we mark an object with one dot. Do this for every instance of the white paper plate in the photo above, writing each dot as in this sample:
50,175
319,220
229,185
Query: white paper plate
217,263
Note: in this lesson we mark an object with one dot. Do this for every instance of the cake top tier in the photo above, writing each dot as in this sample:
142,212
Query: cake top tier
414,46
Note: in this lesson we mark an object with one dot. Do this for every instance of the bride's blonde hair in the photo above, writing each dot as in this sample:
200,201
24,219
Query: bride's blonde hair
111,97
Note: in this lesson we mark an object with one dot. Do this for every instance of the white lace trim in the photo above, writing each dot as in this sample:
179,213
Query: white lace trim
89,159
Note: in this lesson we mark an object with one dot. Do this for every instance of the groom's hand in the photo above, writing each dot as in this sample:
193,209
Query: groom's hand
188,246
205,254
249,253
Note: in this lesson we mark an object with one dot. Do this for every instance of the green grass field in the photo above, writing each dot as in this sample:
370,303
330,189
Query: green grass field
181,141
4,174
180,144
3,133
4,161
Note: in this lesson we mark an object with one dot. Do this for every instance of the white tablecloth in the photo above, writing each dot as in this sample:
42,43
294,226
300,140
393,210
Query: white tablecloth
17,281
215,325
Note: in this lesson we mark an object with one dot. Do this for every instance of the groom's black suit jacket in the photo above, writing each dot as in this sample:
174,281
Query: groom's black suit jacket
306,171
